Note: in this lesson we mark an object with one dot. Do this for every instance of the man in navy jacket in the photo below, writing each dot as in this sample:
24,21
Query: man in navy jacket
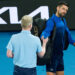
57,66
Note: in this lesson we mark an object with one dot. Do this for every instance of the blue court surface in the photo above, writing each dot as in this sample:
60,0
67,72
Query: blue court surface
6,64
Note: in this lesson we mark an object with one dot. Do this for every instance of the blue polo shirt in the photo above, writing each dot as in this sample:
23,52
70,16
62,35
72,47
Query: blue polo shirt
59,24
24,47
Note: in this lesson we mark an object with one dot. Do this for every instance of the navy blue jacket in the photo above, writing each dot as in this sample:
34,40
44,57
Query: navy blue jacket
59,24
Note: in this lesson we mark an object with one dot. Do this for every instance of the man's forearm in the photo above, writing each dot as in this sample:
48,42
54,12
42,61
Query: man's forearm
44,48
42,53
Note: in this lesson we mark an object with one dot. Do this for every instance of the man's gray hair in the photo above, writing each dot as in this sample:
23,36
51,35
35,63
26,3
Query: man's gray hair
26,21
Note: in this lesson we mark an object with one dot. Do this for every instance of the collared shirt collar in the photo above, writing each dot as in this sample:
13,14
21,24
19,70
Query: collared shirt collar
26,31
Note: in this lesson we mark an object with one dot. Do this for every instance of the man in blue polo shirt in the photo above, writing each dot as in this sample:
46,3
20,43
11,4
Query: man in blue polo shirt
23,48
56,67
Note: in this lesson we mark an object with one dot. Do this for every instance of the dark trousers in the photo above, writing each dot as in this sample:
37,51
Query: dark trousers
24,71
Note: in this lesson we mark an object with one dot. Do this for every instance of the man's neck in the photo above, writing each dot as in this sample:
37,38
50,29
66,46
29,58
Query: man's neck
26,29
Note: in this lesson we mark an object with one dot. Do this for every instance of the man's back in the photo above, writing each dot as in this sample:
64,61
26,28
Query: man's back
25,46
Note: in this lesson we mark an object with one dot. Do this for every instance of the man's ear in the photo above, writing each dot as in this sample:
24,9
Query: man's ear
30,26
57,8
